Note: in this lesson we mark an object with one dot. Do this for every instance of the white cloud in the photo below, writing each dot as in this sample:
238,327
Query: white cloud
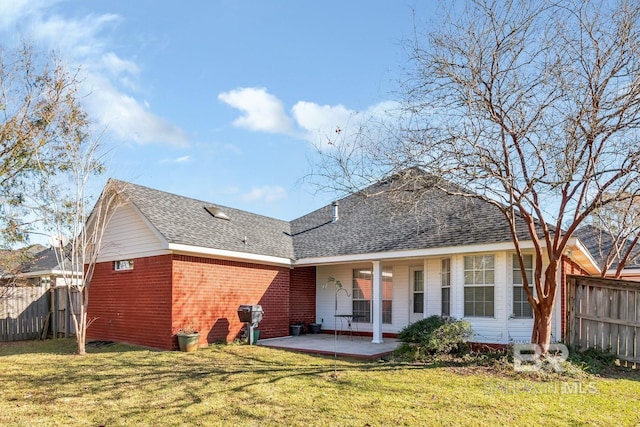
12,11
116,65
183,159
108,78
266,193
127,119
315,123
261,110
321,123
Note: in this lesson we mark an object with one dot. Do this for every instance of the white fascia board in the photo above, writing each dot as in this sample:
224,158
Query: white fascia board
224,254
584,256
49,273
414,253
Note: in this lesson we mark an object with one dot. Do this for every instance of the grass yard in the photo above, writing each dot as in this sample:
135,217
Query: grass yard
43,383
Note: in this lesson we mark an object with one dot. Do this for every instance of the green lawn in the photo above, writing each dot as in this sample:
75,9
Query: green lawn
43,383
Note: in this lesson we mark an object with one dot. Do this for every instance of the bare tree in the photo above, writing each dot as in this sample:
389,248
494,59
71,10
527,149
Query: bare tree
612,235
64,206
38,105
533,107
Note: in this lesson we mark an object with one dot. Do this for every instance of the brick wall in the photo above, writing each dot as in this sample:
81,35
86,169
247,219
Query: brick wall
132,306
207,293
302,295
568,267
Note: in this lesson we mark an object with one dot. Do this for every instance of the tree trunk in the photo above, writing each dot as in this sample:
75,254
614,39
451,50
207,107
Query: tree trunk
543,309
542,330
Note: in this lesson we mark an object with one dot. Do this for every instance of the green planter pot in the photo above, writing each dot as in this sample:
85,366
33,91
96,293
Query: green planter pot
188,342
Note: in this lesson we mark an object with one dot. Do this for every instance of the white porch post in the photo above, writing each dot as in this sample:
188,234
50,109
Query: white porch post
376,302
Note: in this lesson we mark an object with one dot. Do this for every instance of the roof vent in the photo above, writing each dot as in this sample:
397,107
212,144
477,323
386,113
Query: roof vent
335,212
216,212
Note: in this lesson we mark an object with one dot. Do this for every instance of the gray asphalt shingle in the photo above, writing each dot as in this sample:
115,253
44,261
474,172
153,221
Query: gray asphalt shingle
183,220
379,224
366,225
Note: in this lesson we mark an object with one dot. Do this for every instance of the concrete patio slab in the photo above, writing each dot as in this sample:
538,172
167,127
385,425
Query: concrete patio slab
359,347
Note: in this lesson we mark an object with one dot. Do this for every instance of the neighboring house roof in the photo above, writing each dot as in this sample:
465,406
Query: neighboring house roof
185,221
598,242
380,224
13,261
45,260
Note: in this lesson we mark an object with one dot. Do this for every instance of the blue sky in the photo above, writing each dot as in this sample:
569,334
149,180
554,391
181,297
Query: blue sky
223,100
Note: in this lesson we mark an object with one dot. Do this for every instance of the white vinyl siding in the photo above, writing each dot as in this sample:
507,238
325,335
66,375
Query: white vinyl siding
128,236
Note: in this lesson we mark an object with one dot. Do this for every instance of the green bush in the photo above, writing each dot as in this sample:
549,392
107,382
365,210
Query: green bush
591,361
433,336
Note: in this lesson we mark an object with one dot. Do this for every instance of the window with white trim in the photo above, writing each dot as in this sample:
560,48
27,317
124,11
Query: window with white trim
123,265
521,306
387,296
418,291
361,296
479,283
446,286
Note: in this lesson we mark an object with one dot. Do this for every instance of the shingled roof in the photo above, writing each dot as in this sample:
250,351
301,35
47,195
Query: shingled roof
182,220
45,260
375,221
598,242
366,224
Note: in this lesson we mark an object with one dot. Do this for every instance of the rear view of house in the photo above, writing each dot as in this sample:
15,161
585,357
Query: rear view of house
169,262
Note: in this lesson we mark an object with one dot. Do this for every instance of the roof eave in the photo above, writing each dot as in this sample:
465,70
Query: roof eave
413,253
578,253
230,255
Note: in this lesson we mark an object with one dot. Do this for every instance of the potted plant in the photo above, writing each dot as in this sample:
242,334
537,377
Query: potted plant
315,328
188,338
295,329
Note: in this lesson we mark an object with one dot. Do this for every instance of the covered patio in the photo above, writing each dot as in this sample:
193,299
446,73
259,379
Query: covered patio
359,347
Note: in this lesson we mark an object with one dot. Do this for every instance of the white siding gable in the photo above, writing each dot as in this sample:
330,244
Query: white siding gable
128,236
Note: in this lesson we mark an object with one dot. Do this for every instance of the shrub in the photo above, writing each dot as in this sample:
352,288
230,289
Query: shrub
432,336
591,361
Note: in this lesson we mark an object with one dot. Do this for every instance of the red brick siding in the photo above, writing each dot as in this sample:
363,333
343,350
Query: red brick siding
568,267
302,295
207,293
132,306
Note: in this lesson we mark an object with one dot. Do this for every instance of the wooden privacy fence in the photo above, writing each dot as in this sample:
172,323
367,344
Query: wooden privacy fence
604,314
28,312
23,313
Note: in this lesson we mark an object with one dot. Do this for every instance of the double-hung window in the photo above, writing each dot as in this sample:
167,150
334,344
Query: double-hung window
418,291
521,306
361,304
479,284
445,279
362,291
